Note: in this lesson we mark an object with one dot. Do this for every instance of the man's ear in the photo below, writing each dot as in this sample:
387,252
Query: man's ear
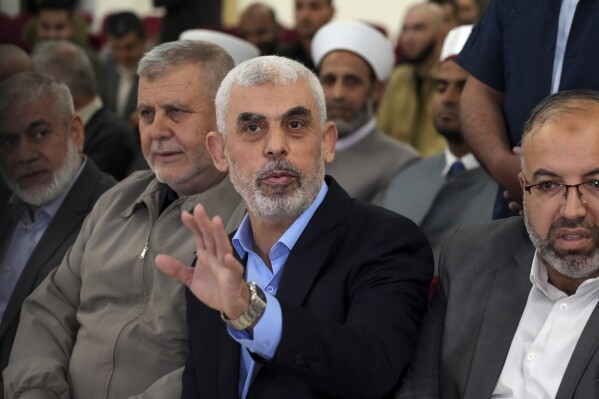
522,180
78,132
329,139
215,143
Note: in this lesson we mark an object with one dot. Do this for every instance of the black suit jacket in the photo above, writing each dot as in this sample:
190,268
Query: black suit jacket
57,239
352,295
109,143
110,87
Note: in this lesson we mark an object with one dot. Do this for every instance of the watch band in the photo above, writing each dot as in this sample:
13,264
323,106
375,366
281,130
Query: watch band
254,312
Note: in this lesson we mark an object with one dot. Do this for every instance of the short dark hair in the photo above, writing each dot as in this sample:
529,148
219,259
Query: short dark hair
122,23
67,5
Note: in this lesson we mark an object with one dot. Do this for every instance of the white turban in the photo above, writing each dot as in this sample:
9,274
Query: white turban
454,41
240,50
359,38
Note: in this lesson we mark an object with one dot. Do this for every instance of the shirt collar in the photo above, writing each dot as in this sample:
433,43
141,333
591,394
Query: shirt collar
352,138
243,240
468,160
87,111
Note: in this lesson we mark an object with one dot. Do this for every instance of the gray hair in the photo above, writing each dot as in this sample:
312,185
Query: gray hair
68,63
279,71
555,107
213,62
26,87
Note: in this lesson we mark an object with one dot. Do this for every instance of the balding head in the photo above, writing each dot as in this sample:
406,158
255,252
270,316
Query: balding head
13,60
258,25
421,34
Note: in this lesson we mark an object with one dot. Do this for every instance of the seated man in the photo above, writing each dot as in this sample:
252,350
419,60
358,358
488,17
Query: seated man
515,315
448,189
354,60
322,295
108,140
258,25
106,323
54,187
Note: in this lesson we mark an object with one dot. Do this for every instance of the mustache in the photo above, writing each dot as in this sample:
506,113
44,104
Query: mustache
572,224
280,165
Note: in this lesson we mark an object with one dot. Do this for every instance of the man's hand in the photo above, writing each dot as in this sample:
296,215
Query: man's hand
514,196
217,279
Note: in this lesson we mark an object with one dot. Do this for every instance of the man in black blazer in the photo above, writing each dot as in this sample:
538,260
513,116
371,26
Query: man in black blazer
515,313
323,294
54,187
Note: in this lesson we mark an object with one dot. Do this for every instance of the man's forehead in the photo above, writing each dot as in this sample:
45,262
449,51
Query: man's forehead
357,61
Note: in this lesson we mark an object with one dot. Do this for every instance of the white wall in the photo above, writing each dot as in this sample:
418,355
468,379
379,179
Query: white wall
388,13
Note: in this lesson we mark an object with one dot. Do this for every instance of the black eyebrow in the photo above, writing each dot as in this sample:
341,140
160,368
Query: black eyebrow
249,117
35,124
547,173
298,111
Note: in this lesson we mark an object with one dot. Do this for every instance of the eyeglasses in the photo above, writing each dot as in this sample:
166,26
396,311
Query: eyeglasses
587,191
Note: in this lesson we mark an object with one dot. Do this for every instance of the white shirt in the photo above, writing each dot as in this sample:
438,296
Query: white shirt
126,77
468,160
546,337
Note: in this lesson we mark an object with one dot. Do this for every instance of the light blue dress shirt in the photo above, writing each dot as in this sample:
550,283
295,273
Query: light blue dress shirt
267,333
566,15
24,233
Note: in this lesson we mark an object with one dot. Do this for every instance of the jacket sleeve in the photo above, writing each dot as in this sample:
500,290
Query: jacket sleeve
39,361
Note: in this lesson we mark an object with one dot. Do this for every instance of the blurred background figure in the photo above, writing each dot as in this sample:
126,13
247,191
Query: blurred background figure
258,25
469,11
13,60
310,15
354,60
126,38
181,15
448,189
405,112
108,140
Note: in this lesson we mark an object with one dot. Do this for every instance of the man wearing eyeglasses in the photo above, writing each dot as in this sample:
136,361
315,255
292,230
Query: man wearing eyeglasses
515,312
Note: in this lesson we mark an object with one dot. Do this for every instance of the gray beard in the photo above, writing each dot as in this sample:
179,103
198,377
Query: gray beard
345,128
573,265
61,178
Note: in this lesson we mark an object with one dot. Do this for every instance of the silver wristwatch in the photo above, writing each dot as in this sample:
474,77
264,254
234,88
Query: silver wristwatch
253,313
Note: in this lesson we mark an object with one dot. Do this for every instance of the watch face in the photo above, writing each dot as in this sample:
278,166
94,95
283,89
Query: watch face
254,311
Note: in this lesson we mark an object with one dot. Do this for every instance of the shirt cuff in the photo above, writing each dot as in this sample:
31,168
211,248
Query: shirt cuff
267,333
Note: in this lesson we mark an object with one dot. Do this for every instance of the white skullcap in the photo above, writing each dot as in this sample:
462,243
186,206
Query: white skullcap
240,50
358,38
454,41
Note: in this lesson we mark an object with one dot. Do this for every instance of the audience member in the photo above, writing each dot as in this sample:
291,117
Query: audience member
57,20
127,43
181,15
512,67
448,189
405,112
354,60
258,25
514,314
450,14
310,15
350,316
13,60
108,140
106,323
469,11
54,186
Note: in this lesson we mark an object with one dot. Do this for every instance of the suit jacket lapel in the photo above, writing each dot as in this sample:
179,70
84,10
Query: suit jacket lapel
509,289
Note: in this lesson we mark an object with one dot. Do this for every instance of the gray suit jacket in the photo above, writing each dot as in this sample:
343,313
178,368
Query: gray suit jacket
365,169
422,194
469,325
48,253
110,86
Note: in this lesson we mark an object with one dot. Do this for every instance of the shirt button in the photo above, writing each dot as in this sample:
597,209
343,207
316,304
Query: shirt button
269,289
531,356
563,306
7,268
